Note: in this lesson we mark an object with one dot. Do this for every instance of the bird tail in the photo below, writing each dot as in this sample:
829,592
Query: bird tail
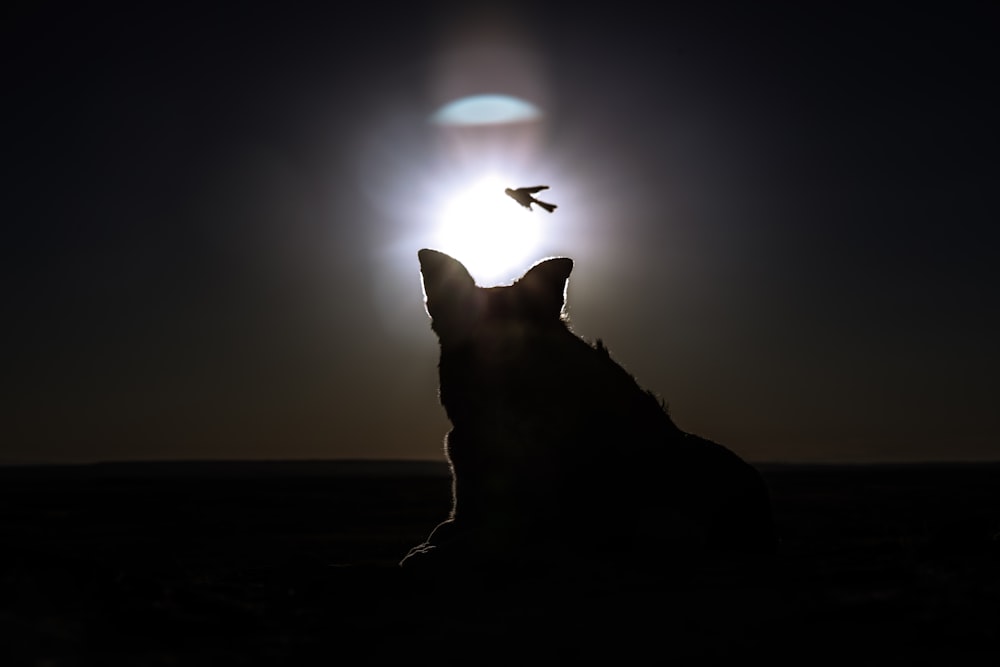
548,207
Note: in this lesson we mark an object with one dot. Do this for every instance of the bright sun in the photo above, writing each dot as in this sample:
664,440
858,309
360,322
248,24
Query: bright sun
490,233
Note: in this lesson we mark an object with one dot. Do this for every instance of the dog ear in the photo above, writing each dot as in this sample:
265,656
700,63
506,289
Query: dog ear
545,282
447,283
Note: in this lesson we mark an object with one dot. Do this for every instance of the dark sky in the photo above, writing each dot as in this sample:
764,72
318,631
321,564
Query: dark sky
783,220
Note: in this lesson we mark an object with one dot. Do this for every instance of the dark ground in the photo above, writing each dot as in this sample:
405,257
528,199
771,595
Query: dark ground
289,564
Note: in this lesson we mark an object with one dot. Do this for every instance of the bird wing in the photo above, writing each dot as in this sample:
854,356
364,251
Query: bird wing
533,190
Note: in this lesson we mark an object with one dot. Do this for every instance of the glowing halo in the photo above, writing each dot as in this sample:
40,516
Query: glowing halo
487,231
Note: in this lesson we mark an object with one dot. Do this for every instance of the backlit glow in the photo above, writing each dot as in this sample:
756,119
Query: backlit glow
489,232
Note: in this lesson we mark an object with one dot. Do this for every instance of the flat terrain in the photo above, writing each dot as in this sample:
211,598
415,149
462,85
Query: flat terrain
290,563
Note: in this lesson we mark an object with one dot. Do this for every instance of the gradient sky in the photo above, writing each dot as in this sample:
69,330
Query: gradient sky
783,220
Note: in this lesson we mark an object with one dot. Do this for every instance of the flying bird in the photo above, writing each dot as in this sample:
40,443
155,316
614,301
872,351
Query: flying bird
523,196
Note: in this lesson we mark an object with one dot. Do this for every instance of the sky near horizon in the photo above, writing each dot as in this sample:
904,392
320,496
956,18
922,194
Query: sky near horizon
783,220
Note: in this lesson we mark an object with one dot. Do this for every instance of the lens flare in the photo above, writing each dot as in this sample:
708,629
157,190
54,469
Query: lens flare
486,110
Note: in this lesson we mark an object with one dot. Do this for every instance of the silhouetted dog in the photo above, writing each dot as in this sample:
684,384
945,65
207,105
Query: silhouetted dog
556,450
